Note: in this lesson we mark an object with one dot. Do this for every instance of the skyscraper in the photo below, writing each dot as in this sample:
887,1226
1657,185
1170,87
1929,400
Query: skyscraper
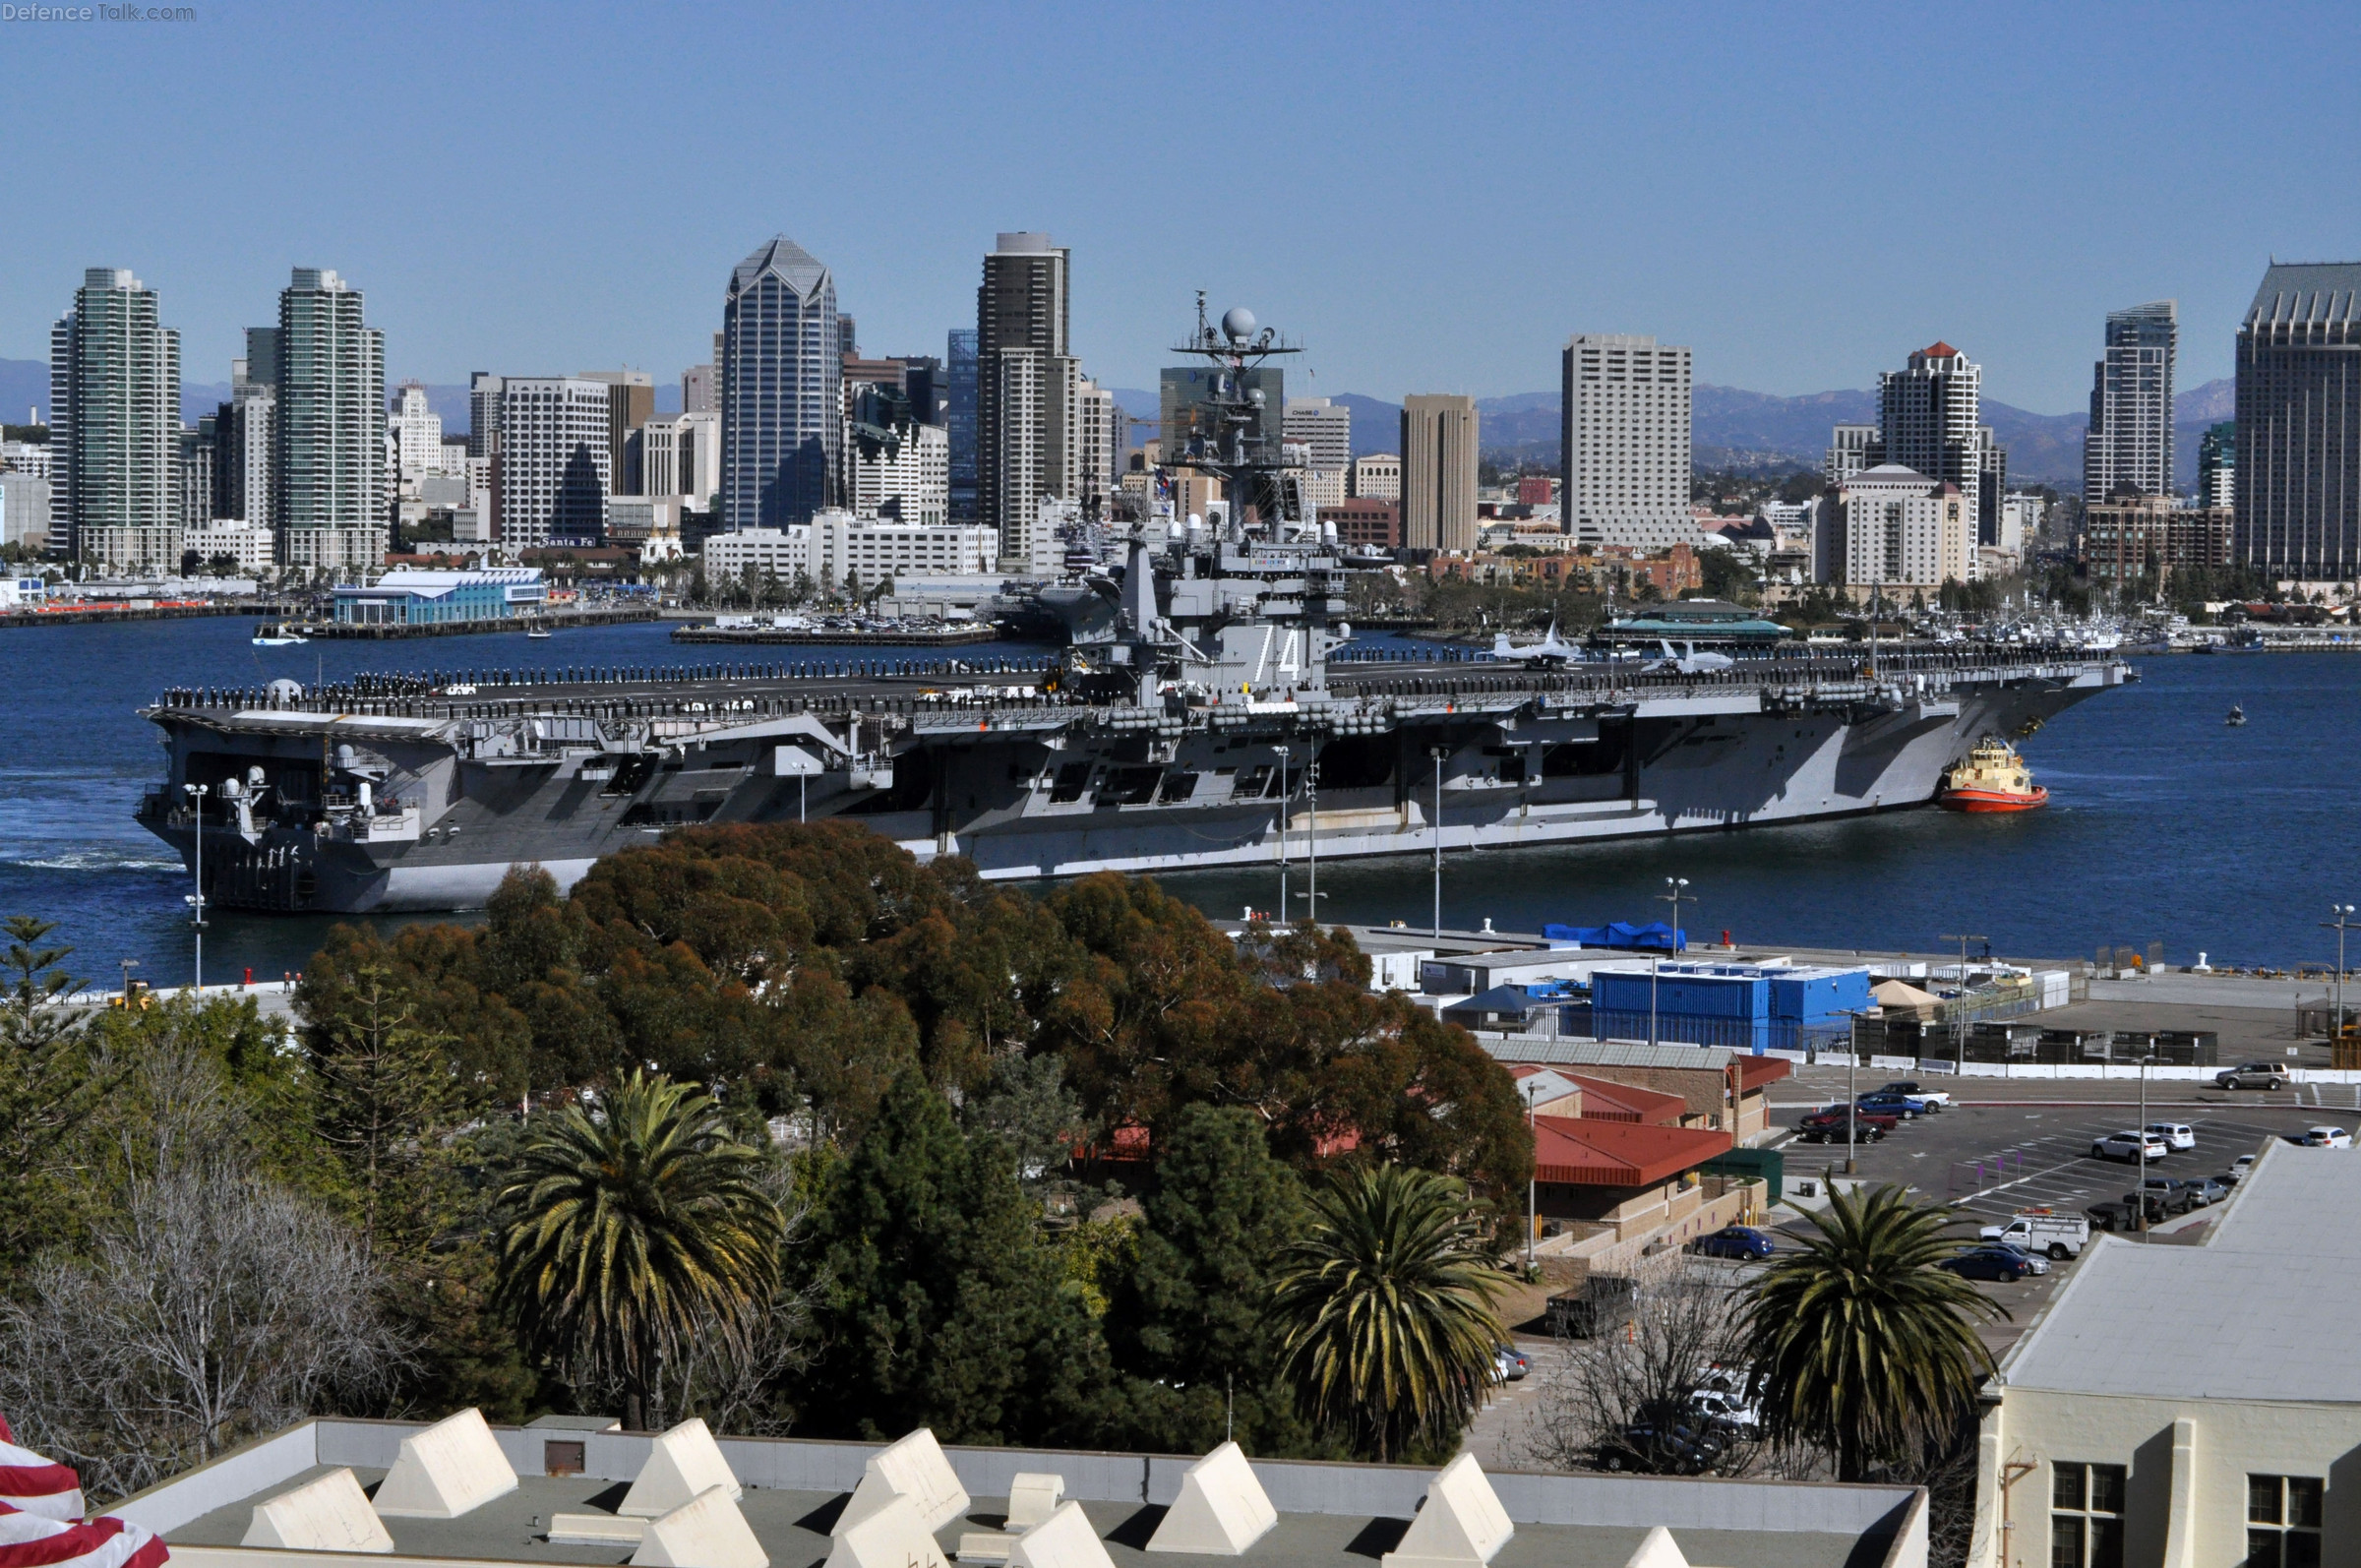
114,415
631,404
417,431
959,418
2129,440
245,436
697,390
1438,472
1625,457
1026,382
2217,465
483,415
1324,428
1928,423
2299,423
332,422
554,478
782,400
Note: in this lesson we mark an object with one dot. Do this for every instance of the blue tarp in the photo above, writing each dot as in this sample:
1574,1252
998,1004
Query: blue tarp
1654,937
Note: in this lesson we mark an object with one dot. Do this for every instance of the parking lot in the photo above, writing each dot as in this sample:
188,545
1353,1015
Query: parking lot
2011,1144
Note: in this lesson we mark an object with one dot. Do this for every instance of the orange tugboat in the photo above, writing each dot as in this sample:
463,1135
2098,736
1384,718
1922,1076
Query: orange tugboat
1991,779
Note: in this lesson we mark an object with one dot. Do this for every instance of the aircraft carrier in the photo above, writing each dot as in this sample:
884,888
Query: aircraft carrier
1197,719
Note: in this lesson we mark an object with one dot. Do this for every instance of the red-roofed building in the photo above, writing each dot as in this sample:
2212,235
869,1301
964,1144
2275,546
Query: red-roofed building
1592,1169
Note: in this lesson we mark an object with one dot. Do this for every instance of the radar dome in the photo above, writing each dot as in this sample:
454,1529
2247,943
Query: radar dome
284,691
1239,322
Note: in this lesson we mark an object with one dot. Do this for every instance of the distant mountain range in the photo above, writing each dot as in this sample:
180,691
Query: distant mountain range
1728,428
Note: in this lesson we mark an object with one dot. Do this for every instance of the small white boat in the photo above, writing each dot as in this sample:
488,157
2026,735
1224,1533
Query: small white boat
277,634
537,633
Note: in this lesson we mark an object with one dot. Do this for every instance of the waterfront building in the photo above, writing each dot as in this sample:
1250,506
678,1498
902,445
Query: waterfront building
1894,527
2217,465
114,414
959,420
1438,472
1625,461
24,510
2129,441
2164,1409
1377,476
417,432
409,596
329,453
782,424
781,554
554,478
146,549
836,545
248,549
631,404
2129,535
2299,423
1027,381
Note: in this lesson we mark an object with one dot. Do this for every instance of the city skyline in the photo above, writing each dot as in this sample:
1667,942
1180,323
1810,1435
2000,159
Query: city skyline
1717,228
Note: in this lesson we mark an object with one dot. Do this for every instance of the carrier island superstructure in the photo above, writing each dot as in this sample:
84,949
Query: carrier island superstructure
1197,719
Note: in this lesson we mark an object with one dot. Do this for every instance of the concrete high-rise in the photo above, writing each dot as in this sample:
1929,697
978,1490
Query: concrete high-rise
1027,381
2217,465
417,431
1624,466
2299,424
1324,429
631,404
330,461
483,415
697,394
554,477
246,441
1929,422
2129,443
114,414
782,403
1438,472
959,420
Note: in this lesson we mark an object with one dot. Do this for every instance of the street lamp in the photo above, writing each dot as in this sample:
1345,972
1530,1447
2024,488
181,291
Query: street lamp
2341,924
1438,753
1284,803
197,794
1853,1084
1533,1184
1675,886
2140,1198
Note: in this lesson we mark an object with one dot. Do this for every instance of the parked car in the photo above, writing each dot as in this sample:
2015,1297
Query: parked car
2177,1196
1671,1446
1727,1413
2035,1262
1509,1364
2205,1191
1903,1106
2060,1236
2326,1138
2110,1216
2157,1207
2176,1135
2239,1168
1601,1306
1734,1241
2004,1264
1939,1099
2126,1145
1827,1127
2252,1075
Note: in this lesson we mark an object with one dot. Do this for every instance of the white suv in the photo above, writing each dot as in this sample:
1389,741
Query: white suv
2175,1134
2126,1145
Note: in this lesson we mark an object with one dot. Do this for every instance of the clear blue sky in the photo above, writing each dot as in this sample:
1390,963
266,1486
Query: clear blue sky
1431,197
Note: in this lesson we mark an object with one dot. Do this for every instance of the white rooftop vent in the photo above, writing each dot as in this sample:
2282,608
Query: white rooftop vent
450,1469
1461,1524
1064,1540
706,1531
1221,1511
329,1513
683,1463
1033,1499
891,1537
913,1468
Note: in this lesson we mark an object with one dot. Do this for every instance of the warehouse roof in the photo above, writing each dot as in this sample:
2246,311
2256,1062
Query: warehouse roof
2262,1310
1583,1152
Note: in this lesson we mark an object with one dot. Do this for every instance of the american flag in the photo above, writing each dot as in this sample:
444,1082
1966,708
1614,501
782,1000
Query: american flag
42,1523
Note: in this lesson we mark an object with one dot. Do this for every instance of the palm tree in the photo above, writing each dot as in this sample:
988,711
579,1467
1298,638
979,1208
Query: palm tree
1861,1344
1386,1307
633,1229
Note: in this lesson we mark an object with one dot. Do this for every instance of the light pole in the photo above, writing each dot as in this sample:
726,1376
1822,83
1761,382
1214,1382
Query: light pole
1958,1017
197,794
1283,806
1675,886
2139,1197
129,964
1533,1180
1312,839
2343,922
1438,753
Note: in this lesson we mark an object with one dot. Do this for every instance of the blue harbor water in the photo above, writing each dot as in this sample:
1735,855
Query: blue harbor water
2164,824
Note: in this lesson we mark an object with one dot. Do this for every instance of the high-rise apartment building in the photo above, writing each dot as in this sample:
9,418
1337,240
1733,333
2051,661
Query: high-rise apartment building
483,415
1929,422
959,420
697,391
631,404
1026,383
1095,420
1894,527
2217,465
2299,423
2129,443
1438,472
554,478
1624,468
1851,449
782,406
417,432
114,414
680,454
330,465
246,441
195,472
